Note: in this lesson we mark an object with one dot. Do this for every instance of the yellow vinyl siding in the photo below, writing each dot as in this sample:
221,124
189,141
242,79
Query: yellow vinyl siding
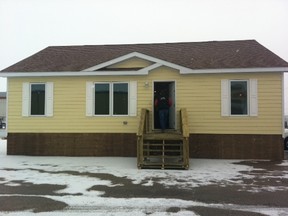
199,93
131,63
69,109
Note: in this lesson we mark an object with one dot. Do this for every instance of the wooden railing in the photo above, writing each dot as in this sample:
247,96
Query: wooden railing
142,129
185,132
144,122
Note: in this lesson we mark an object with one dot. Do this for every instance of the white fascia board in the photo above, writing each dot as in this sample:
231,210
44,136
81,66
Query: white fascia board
142,72
73,73
236,70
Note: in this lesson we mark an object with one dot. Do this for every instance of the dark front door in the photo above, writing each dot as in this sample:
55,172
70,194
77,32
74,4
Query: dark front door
169,90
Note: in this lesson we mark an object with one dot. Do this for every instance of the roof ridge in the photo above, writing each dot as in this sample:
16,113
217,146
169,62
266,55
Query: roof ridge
154,43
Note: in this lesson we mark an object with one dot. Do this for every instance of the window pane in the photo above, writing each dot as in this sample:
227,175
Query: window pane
38,99
239,99
102,99
120,99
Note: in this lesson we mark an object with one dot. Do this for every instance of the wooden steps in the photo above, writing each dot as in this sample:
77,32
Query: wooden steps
163,151
155,150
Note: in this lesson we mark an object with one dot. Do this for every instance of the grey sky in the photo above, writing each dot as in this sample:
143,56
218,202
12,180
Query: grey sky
27,26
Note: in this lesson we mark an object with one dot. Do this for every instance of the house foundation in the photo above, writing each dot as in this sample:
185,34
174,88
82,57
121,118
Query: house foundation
72,144
213,146
236,146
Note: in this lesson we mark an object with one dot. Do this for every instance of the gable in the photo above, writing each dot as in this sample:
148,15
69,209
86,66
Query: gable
132,63
135,64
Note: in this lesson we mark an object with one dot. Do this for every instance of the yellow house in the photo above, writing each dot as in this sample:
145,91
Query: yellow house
88,100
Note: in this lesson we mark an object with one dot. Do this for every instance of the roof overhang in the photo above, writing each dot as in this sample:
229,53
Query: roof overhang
141,72
96,70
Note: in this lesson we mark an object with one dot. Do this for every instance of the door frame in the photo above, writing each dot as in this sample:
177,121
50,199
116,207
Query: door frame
173,102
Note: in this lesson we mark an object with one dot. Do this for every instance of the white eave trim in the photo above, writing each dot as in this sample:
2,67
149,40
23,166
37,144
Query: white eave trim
237,70
73,73
141,72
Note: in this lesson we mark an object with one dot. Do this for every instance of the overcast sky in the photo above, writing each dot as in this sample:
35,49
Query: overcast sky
27,26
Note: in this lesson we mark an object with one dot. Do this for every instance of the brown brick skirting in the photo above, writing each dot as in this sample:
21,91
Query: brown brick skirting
229,146
72,144
125,145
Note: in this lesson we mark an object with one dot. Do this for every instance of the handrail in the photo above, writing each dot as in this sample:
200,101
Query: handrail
143,124
184,122
142,129
185,134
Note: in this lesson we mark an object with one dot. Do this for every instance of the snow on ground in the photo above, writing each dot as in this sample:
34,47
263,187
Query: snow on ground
30,170
201,172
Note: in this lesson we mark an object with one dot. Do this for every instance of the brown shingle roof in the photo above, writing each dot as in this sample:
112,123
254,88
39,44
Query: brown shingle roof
194,55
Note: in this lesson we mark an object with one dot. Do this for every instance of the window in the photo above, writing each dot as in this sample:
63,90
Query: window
239,97
37,102
111,99
37,99
120,99
102,99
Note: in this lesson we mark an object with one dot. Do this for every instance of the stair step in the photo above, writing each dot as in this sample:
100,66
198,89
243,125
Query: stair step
163,166
160,150
163,136
161,144
164,156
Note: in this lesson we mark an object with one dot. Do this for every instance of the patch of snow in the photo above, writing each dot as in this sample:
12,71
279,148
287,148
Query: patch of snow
283,163
3,148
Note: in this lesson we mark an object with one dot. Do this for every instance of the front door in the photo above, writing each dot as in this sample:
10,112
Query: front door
168,87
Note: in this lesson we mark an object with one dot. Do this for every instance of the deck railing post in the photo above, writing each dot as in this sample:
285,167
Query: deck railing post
185,133
142,129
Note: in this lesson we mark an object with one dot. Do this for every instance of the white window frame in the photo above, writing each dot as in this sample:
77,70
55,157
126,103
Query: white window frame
112,98
252,98
30,99
26,99
109,83
132,98
248,98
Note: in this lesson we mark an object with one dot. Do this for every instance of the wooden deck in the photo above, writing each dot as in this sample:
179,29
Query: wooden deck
169,150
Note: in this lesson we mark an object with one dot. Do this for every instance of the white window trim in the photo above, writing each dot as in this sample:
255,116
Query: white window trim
248,98
132,99
26,99
93,99
112,99
252,98
30,97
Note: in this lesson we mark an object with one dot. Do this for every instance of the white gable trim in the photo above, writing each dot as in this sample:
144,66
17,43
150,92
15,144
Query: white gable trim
142,56
146,70
111,62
